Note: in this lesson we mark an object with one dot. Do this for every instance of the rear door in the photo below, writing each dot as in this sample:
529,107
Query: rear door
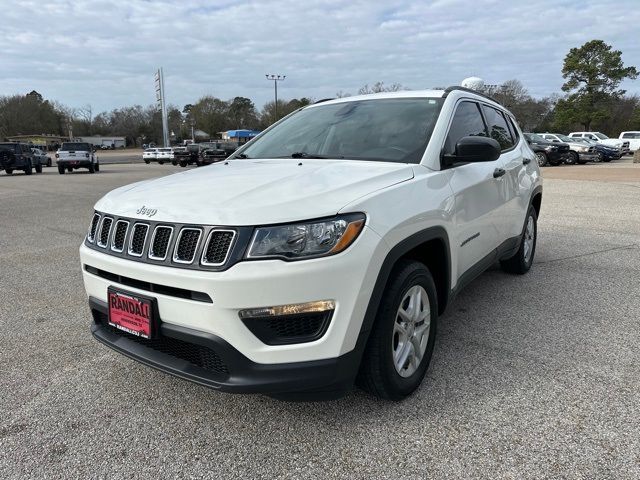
477,193
512,211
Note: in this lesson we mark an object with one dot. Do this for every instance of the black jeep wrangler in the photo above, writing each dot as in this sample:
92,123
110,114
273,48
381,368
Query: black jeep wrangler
18,156
217,151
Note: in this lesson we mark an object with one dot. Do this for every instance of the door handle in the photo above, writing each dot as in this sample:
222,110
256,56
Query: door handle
498,172
526,161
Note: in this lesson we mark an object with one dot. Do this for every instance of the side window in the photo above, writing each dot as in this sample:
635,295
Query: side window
498,129
467,122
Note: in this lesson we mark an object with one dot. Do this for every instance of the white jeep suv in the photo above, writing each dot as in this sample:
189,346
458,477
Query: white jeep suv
322,252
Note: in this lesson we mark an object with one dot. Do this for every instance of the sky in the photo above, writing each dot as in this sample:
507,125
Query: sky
105,53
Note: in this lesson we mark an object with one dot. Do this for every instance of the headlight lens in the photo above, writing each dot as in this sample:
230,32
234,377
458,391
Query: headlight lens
550,148
306,240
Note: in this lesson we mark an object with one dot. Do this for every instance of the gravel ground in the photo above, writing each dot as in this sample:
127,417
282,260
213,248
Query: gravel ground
532,377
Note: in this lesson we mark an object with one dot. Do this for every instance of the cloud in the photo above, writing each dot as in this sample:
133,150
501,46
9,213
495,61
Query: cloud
105,53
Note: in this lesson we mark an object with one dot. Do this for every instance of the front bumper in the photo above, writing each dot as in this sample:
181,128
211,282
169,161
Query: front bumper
208,360
588,157
347,279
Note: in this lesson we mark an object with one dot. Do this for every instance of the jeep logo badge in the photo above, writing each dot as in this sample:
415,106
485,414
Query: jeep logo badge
149,212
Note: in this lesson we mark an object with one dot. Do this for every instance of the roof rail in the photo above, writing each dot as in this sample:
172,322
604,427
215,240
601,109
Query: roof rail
448,90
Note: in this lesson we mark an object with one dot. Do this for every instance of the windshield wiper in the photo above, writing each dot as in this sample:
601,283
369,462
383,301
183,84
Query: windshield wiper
305,155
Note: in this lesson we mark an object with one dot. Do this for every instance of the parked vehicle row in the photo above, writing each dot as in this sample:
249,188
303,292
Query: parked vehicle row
197,153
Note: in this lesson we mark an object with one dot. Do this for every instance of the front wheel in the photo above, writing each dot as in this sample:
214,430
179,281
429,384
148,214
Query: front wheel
147,161
60,169
161,162
521,262
572,158
28,170
92,168
401,342
39,168
541,157
9,171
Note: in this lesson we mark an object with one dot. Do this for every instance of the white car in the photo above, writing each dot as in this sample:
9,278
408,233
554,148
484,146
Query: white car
633,138
74,155
322,252
164,155
149,155
604,140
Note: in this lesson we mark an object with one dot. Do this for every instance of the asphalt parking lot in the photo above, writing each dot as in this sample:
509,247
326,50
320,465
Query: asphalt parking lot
532,377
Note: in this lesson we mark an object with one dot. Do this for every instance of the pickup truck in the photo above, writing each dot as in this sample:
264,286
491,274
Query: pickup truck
74,155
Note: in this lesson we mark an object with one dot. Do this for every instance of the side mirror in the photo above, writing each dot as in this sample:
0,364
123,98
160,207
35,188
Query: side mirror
474,149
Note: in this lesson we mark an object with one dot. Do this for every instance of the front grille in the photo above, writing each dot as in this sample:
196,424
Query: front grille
160,242
105,230
119,235
289,329
197,355
218,247
187,245
592,149
94,227
194,247
138,237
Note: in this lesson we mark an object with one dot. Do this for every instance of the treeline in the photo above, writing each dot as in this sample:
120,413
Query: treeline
591,100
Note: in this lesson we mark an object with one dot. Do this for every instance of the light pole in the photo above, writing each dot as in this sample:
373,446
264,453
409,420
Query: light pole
276,78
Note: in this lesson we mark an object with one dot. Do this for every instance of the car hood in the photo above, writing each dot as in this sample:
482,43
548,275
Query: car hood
254,192
611,142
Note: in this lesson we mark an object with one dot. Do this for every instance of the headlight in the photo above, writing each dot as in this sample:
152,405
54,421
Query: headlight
306,240
550,148
582,149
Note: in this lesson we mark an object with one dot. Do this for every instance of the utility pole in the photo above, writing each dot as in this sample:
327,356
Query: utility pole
276,78
163,107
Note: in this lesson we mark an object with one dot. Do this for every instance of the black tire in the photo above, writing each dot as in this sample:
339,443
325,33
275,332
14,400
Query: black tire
174,163
378,374
161,162
606,159
572,158
69,169
582,162
9,171
60,169
521,262
541,157
39,168
183,164
48,161
600,157
92,168
147,161
97,167
28,170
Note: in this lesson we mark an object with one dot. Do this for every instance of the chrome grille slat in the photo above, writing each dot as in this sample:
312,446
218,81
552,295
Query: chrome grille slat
105,231
137,239
160,241
187,245
119,235
218,246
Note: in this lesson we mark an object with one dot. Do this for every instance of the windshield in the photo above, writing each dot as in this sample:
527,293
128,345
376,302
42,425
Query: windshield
564,138
533,137
388,130
601,136
67,147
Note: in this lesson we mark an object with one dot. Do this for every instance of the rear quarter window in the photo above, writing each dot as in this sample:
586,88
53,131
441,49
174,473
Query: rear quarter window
498,128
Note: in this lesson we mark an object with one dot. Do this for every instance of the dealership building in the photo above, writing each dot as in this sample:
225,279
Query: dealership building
111,142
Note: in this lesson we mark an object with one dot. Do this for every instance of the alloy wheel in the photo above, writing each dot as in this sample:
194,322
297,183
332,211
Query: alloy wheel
411,331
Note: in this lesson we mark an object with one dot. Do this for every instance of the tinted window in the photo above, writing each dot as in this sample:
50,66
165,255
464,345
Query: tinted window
631,135
73,147
467,122
10,147
498,128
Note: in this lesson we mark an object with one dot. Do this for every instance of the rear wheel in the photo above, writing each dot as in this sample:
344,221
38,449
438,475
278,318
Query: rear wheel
28,170
60,169
9,171
572,158
183,164
92,168
160,162
401,342
48,161
97,167
541,157
521,262
147,161
39,168
69,169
